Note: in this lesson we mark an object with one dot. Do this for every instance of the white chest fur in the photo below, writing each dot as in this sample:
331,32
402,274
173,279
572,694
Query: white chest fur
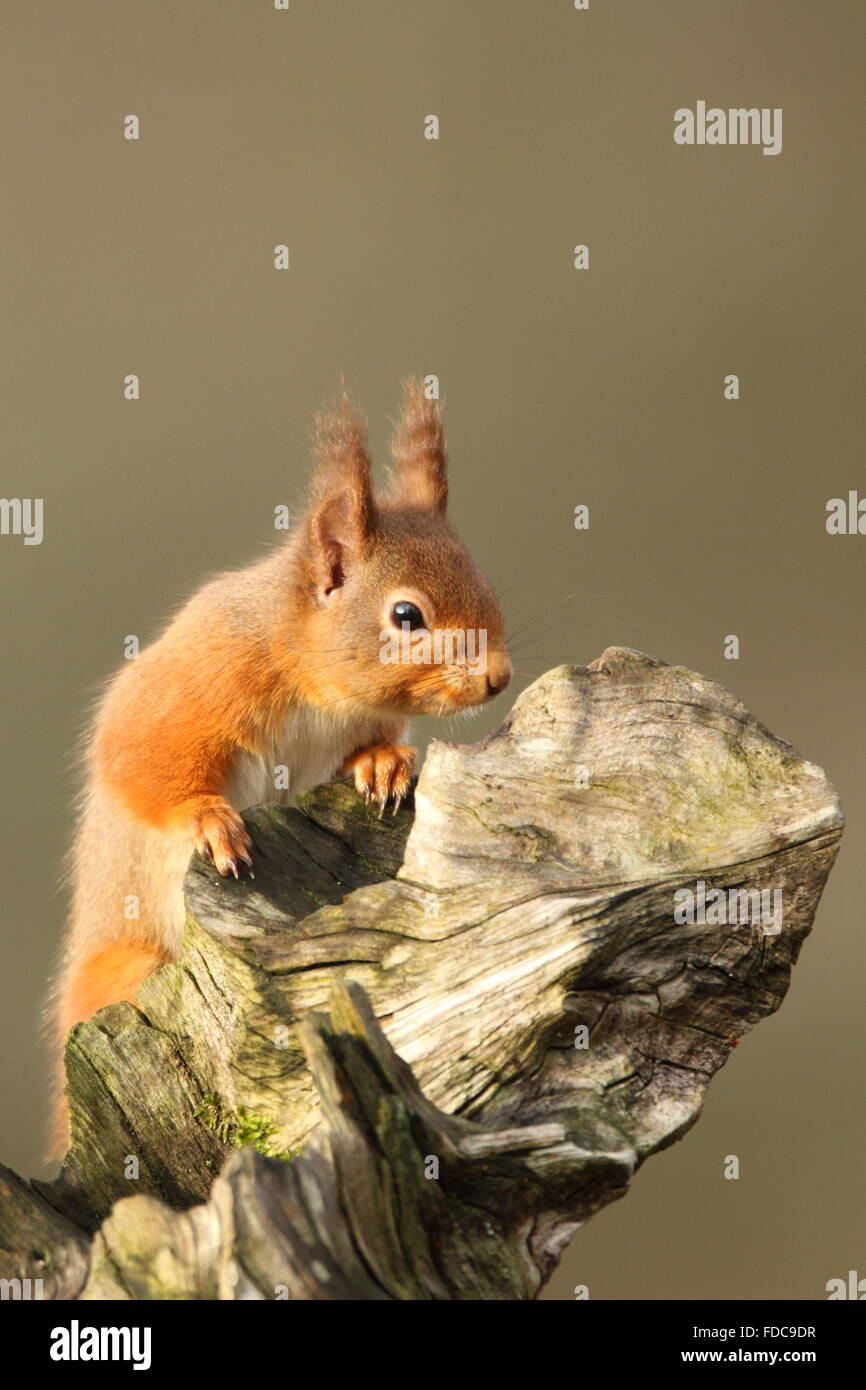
306,750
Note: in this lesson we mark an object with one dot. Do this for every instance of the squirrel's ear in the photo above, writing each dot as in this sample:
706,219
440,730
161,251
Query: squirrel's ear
419,452
341,518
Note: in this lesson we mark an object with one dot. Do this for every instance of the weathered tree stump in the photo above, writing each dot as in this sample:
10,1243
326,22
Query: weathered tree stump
441,1040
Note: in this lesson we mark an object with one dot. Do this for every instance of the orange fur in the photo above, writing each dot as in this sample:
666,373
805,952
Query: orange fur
383,772
105,977
274,664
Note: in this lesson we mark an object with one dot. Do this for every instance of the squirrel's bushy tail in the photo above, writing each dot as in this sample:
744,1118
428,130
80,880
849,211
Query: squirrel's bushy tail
108,976
126,921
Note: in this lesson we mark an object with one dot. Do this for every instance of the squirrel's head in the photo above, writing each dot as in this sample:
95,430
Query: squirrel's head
396,613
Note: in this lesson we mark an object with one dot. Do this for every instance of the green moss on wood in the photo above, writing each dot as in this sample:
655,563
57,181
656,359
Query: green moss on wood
241,1127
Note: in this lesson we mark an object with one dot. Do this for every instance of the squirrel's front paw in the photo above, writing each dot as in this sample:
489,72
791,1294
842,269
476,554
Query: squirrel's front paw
382,772
220,835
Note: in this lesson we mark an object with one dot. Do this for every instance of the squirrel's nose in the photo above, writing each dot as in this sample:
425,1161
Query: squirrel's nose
498,675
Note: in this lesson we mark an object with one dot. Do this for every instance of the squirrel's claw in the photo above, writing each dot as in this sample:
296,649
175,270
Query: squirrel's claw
221,836
382,773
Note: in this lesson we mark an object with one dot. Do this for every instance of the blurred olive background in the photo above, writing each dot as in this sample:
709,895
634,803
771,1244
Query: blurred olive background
602,387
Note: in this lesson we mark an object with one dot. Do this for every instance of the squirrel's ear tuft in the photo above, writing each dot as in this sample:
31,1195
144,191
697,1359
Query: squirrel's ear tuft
419,452
341,517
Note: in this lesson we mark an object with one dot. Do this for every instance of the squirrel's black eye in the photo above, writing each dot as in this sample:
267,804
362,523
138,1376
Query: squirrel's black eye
405,612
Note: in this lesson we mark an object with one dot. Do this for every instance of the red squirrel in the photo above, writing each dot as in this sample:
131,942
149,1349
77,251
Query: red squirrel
276,665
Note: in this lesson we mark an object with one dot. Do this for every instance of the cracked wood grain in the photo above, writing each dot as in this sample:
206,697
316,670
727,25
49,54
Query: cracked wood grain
385,992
